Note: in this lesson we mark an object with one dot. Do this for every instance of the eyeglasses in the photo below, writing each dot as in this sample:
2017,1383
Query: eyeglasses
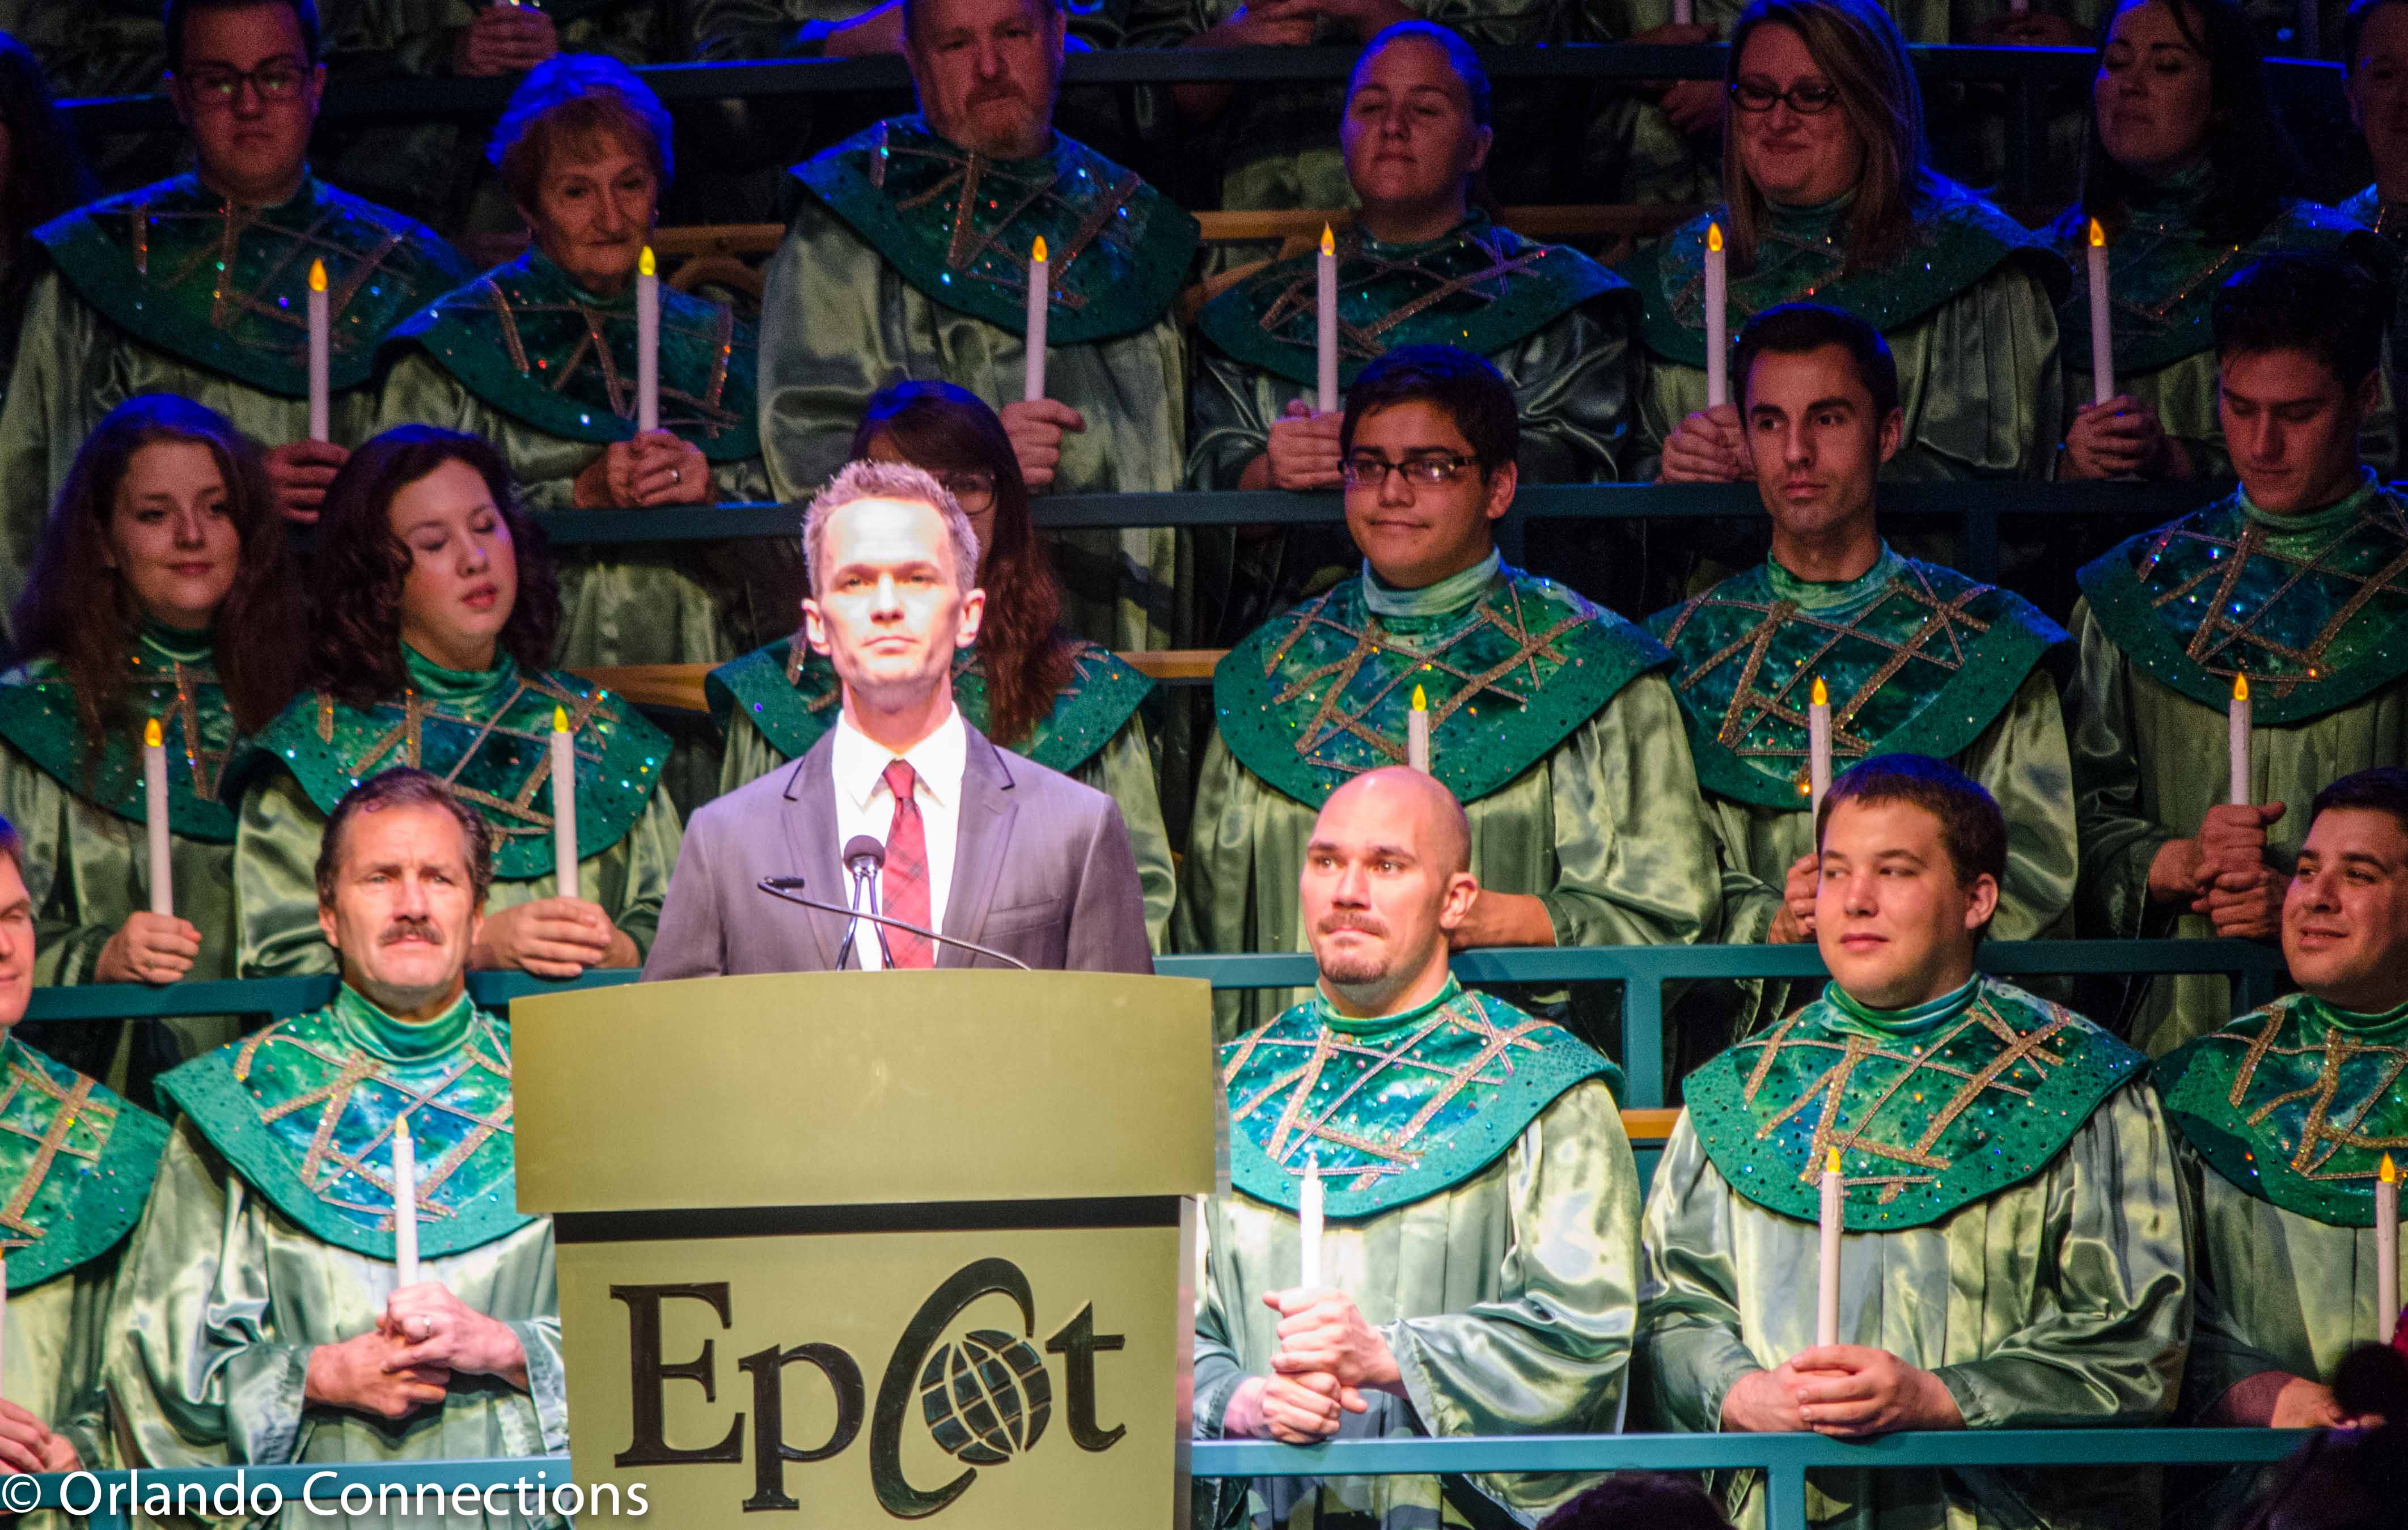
972,491
1369,470
279,79
1807,98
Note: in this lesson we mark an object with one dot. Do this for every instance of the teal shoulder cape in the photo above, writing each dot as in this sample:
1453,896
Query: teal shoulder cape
2293,1110
2317,620
227,288
1480,288
306,1113
1921,662
2164,273
526,340
959,227
495,754
1315,697
792,696
1959,240
37,715
1926,1121
1398,1114
77,1160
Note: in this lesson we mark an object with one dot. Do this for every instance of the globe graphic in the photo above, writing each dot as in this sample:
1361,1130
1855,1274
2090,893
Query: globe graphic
987,1396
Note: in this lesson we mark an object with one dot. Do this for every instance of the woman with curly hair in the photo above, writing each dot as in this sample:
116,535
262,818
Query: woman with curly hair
433,623
2188,171
160,593
1069,704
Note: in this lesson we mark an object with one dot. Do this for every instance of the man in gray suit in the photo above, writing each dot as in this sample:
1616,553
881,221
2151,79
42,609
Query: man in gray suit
981,845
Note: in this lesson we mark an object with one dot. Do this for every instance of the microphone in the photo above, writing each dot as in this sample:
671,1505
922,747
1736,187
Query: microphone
788,887
865,857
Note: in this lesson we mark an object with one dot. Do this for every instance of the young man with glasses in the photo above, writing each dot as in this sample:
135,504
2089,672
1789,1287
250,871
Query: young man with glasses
199,285
1546,717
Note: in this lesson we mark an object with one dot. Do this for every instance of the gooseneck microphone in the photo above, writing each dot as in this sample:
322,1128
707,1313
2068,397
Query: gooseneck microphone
865,857
788,887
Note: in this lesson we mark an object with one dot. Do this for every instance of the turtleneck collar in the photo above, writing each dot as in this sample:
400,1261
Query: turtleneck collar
2175,201
1450,594
544,267
2390,1025
1811,595
174,643
1812,217
378,1034
303,194
2341,512
1372,245
458,686
1864,1020
1328,1014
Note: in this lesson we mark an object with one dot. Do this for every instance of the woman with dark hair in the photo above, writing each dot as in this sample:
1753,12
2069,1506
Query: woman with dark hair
1830,199
1067,703
41,175
2187,172
1422,264
432,622
538,357
2374,59
160,593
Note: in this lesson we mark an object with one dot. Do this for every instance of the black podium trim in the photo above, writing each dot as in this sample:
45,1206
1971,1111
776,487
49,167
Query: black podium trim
662,1225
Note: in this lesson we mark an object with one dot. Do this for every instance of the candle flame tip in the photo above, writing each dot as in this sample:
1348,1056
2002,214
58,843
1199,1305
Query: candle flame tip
1037,250
2098,232
1822,693
1713,236
1421,699
560,720
1831,1162
645,265
2240,688
1328,241
2390,1171
152,736
317,276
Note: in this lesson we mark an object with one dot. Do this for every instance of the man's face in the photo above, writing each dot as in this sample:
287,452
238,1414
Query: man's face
16,945
405,910
1815,440
248,94
2345,916
2378,89
887,610
2291,426
1415,534
987,72
1383,883
1896,924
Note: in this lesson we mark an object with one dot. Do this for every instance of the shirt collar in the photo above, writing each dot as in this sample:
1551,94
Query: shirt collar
1450,593
939,760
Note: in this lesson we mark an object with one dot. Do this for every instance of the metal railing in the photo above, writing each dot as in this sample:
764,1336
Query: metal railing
1642,971
1785,1460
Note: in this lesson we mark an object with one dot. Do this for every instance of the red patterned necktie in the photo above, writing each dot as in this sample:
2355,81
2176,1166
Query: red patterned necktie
903,887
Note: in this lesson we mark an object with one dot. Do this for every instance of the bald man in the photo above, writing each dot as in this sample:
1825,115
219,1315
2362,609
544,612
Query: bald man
1477,1273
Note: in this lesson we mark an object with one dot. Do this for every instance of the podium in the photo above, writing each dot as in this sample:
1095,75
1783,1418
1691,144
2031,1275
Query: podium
857,1249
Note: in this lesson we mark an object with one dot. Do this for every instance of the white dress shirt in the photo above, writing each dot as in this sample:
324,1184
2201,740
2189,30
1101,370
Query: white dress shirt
865,805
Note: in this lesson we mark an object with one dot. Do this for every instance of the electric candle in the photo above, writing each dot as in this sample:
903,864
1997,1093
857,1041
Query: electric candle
1041,281
154,817
564,804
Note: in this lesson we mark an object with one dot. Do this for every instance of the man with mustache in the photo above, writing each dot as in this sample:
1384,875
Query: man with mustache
2286,1115
1915,658
1476,1269
1547,717
909,257
260,1319
2294,582
198,285
2013,1250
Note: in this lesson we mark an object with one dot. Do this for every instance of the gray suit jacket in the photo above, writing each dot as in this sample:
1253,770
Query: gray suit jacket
1041,870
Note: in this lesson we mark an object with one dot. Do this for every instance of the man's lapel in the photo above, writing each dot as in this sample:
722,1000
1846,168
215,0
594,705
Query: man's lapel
810,841
983,837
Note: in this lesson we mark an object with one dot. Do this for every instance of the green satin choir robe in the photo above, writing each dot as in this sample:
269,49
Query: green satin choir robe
775,702
2162,274
1918,660
260,1244
77,1160
2038,1267
487,734
1968,309
1569,760
135,301
1483,1213
2149,704
2285,1116
898,265
87,859
2389,222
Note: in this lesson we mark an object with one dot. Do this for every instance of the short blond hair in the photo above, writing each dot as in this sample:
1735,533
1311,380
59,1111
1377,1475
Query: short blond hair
866,479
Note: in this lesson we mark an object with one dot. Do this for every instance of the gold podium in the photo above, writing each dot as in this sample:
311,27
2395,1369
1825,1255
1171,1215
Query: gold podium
853,1247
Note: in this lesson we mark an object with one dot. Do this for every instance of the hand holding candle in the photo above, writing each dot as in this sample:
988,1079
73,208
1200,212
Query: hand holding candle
564,804
320,362
2386,1251
1325,330
1818,746
1308,1228
1417,732
2237,743
1717,319
405,1204
648,343
1041,284
1827,1286
155,820
2102,328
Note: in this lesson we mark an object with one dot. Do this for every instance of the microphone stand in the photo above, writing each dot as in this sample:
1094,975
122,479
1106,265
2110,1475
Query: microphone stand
865,891
783,887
